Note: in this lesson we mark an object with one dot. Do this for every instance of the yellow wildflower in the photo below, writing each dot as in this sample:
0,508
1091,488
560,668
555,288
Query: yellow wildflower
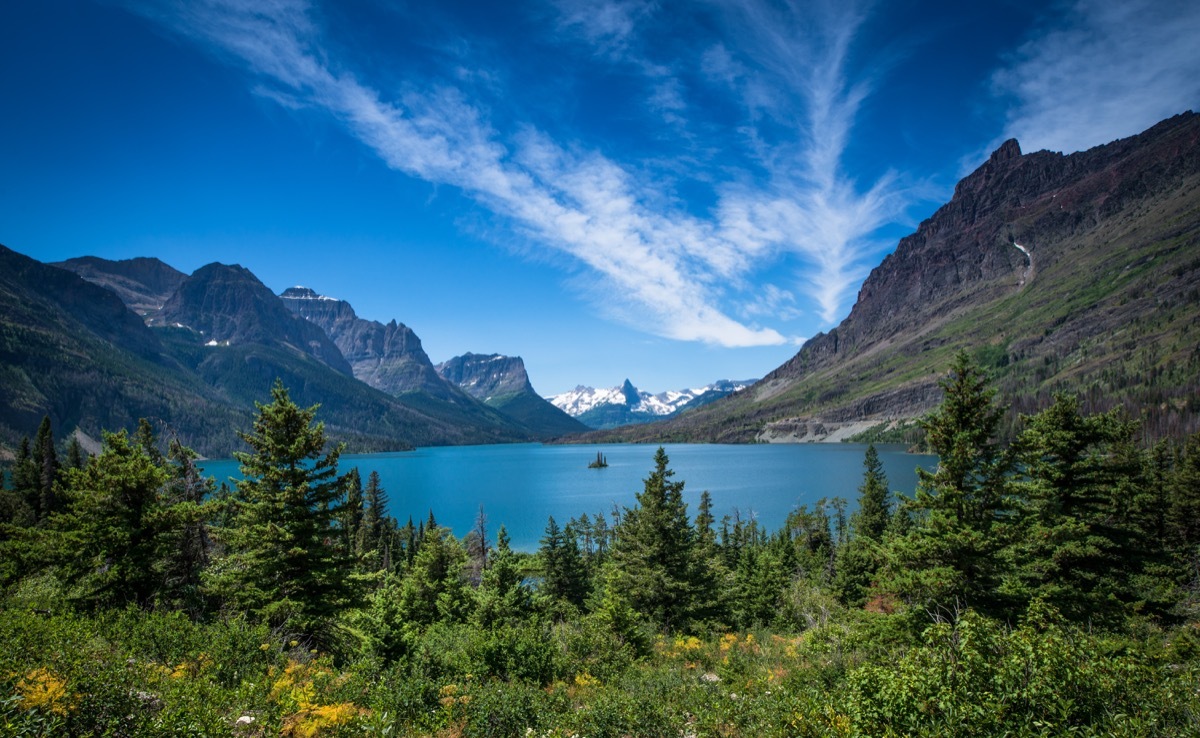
45,690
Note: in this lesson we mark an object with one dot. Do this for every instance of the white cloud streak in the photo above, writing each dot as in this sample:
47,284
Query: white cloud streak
665,271
811,208
1105,70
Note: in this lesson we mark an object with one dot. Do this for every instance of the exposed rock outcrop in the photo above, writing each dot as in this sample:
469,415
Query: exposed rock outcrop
389,357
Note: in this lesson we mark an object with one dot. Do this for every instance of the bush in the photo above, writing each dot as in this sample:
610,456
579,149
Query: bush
975,677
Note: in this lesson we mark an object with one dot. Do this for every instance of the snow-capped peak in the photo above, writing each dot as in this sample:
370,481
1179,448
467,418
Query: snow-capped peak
582,399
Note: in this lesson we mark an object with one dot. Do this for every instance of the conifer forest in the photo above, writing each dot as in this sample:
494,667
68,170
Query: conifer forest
1043,585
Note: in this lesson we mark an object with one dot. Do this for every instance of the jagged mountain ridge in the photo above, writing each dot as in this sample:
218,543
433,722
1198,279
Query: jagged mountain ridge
143,283
502,382
387,357
1075,272
73,350
625,404
227,305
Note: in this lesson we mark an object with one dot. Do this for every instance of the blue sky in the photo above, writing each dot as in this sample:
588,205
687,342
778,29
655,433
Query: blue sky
670,192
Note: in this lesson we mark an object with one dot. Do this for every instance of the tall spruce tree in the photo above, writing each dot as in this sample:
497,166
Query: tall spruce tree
21,504
184,546
435,586
1076,540
284,560
501,597
378,528
46,460
76,456
352,513
960,513
1183,518
107,535
874,499
861,557
563,574
656,563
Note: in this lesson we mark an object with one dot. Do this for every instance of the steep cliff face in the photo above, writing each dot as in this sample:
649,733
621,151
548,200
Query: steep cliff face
484,376
228,305
143,284
502,382
1076,272
387,357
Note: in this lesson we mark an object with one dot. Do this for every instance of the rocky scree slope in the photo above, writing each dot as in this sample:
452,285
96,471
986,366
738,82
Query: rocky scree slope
143,283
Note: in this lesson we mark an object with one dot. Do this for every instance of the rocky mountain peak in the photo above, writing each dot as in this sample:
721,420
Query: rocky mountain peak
300,293
226,304
144,284
387,357
486,375
502,382
1050,262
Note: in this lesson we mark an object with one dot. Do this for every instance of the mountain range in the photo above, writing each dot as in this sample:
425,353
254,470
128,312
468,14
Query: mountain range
97,344
1077,273
626,404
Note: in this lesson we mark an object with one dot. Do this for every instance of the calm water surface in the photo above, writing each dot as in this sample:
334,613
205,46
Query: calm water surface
521,485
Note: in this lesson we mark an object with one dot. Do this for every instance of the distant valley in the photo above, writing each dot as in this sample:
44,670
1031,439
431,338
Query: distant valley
626,405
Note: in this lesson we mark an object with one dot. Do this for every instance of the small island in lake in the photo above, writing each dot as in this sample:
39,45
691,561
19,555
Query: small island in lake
600,462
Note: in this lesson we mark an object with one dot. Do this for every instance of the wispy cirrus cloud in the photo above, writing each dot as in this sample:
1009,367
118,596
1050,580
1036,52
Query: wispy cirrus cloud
1102,70
791,64
670,267
658,266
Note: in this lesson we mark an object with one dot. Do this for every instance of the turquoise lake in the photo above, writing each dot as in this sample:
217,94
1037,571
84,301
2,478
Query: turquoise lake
521,485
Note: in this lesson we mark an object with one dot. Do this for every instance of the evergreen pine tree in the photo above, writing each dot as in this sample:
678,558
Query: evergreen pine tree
145,439
874,499
1183,518
21,506
108,534
435,587
184,547
352,516
860,558
76,456
1073,539
501,598
601,534
375,510
657,568
563,575
46,459
283,560
961,511
706,537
